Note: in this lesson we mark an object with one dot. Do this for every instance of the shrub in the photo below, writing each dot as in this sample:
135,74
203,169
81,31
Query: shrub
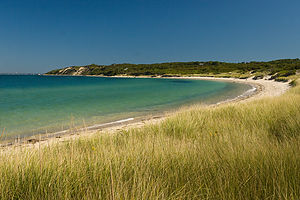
293,83
281,80
258,77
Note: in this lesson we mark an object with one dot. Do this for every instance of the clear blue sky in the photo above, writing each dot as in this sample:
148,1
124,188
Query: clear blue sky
36,36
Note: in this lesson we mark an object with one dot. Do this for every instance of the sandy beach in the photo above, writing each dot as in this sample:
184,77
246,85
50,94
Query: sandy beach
262,88
266,88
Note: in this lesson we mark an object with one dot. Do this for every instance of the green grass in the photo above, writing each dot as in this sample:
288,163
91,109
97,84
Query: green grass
234,151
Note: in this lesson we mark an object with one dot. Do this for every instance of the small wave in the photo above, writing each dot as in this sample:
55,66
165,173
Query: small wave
249,92
94,126
245,94
110,123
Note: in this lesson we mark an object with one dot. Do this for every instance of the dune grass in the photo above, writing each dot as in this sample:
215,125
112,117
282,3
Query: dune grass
234,151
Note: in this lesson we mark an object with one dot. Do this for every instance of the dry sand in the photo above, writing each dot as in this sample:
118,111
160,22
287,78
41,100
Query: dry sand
266,88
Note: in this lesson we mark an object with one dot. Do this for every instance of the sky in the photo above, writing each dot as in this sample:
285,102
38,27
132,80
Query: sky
37,36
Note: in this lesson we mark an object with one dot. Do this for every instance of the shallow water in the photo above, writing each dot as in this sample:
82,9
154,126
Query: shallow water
38,104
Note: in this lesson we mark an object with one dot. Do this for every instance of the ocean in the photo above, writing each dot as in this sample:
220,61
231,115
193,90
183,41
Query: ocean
32,104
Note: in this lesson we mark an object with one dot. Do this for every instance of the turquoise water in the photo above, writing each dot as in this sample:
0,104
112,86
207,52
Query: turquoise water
38,104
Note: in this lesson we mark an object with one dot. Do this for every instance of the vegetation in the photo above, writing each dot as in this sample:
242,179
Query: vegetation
277,69
234,151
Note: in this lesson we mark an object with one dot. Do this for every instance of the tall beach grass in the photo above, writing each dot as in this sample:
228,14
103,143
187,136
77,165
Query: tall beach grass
245,150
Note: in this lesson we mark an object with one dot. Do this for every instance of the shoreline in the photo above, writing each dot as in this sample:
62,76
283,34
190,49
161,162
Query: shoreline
260,88
277,87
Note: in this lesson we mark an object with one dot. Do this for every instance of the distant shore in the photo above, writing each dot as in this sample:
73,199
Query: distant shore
262,88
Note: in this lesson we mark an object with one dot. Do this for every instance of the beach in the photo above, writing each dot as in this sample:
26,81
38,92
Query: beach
267,88
261,88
